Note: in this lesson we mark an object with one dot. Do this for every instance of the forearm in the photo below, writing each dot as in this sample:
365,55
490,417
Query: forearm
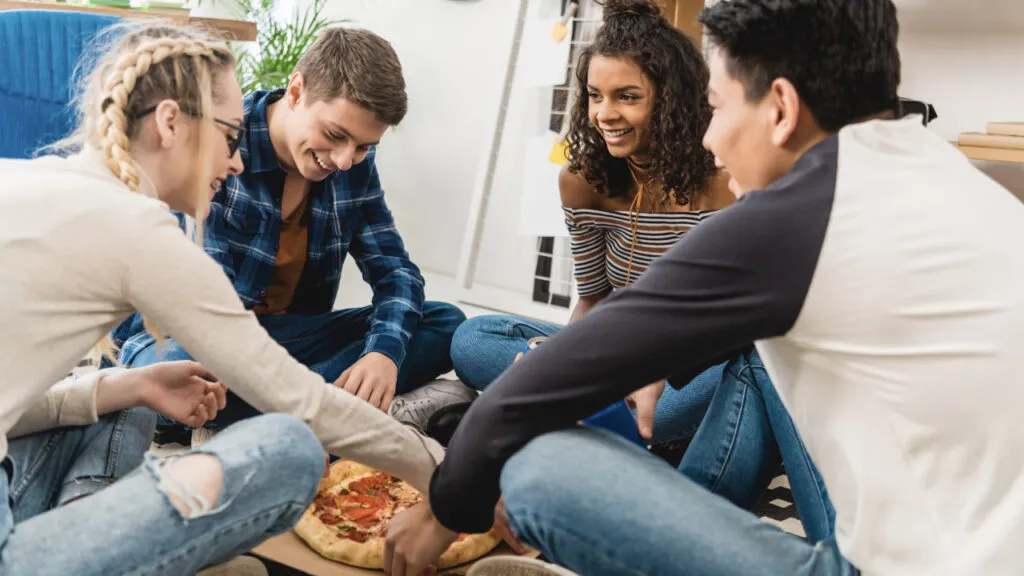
585,305
398,303
118,391
76,401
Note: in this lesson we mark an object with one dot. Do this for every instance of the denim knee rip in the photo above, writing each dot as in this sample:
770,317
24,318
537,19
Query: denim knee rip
170,486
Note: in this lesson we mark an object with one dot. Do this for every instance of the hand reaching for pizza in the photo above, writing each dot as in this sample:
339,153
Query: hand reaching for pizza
415,541
645,400
373,378
183,391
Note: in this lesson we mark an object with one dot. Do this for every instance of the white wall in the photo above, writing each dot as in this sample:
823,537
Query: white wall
507,260
968,60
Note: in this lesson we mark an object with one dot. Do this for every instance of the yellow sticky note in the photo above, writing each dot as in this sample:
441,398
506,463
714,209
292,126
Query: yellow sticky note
559,152
559,32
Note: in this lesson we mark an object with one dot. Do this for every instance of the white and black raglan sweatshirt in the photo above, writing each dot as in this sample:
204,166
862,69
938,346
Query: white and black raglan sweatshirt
882,281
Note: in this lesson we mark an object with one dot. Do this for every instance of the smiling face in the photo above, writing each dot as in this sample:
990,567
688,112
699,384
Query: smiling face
621,100
323,136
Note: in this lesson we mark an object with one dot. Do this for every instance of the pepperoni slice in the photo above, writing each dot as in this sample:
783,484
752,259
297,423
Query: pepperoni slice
360,513
330,520
362,501
367,522
370,484
357,536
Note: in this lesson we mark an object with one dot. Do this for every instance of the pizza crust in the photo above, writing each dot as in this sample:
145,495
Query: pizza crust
325,542
471,548
370,554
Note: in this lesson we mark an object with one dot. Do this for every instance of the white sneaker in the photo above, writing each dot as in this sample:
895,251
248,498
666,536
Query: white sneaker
516,566
200,435
237,566
415,408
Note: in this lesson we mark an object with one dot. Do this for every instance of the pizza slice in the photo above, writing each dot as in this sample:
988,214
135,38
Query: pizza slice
347,521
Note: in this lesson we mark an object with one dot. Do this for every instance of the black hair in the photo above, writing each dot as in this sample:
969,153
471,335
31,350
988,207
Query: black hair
679,164
840,55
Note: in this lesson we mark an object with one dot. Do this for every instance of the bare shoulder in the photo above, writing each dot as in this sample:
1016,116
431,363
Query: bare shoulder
576,192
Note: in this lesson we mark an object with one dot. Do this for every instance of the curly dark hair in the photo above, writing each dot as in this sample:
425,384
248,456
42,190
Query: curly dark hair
679,164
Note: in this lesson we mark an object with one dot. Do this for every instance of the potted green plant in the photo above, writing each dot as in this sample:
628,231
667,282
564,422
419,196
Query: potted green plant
279,43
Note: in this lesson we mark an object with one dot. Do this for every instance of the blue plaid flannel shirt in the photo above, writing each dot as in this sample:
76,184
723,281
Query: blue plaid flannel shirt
347,215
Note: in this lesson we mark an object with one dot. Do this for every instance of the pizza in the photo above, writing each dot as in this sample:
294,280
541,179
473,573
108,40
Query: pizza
347,521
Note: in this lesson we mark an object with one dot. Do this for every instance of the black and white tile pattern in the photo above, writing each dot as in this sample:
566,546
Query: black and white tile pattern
776,507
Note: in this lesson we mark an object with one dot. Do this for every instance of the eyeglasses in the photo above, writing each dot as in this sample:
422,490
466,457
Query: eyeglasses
233,141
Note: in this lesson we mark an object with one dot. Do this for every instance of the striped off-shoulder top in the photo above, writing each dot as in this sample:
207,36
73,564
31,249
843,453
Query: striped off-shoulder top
604,254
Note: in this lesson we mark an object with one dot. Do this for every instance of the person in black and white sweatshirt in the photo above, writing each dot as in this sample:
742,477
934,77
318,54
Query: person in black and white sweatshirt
887,315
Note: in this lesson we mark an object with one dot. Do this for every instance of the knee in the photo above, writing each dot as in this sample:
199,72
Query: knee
464,340
443,317
297,457
192,483
472,334
472,351
284,447
291,446
272,451
537,478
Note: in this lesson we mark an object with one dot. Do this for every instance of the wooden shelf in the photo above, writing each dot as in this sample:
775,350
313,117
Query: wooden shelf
992,154
683,15
237,30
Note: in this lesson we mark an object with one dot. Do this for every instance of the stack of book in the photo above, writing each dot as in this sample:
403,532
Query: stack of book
1002,141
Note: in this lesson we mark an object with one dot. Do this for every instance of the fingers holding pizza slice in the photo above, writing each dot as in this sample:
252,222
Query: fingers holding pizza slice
347,521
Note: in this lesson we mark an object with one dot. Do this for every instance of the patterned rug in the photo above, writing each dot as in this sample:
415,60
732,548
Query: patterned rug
776,507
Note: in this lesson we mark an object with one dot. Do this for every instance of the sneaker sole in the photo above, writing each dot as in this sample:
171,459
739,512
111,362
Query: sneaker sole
516,566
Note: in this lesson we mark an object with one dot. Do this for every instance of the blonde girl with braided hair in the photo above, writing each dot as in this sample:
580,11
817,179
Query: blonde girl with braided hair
86,239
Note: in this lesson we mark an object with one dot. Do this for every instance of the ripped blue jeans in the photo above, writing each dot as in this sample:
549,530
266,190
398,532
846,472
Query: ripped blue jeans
127,525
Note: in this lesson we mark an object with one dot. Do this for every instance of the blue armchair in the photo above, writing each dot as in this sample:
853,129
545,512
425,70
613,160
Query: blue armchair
39,50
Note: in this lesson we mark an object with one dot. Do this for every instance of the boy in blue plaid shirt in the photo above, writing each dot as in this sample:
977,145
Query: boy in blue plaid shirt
309,196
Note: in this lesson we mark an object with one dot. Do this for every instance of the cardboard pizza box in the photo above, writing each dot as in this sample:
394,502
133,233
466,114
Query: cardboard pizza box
290,550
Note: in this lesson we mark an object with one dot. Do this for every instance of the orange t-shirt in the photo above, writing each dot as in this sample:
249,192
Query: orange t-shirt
291,259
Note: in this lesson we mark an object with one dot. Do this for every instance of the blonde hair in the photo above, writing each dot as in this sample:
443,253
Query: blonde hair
135,66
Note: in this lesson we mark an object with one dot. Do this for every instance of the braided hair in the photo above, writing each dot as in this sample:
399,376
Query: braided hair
135,66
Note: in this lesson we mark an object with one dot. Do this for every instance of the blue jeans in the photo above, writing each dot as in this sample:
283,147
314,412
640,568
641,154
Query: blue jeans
329,344
591,501
745,435
51,468
483,347
693,520
271,467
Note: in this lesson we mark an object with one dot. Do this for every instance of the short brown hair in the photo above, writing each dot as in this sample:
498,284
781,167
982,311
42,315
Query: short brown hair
357,65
